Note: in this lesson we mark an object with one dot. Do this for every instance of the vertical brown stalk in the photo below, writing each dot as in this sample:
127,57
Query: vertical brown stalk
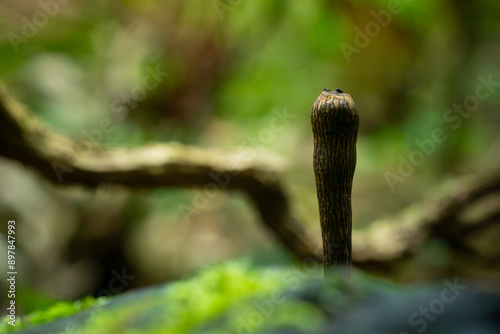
335,123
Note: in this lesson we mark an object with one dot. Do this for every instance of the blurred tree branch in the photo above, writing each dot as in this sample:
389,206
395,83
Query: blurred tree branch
24,138
444,213
440,215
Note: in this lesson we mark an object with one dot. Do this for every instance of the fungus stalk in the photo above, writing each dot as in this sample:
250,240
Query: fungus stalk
335,122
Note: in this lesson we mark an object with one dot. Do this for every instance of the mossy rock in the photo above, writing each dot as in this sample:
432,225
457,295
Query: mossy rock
235,298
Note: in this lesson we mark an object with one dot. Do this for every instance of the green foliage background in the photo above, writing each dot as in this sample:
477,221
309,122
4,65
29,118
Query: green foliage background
232,65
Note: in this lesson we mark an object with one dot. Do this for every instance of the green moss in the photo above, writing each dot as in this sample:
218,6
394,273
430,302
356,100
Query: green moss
224,298
57,310
188,305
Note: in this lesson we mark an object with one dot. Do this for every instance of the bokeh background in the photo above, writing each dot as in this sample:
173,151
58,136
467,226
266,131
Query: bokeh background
232,65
